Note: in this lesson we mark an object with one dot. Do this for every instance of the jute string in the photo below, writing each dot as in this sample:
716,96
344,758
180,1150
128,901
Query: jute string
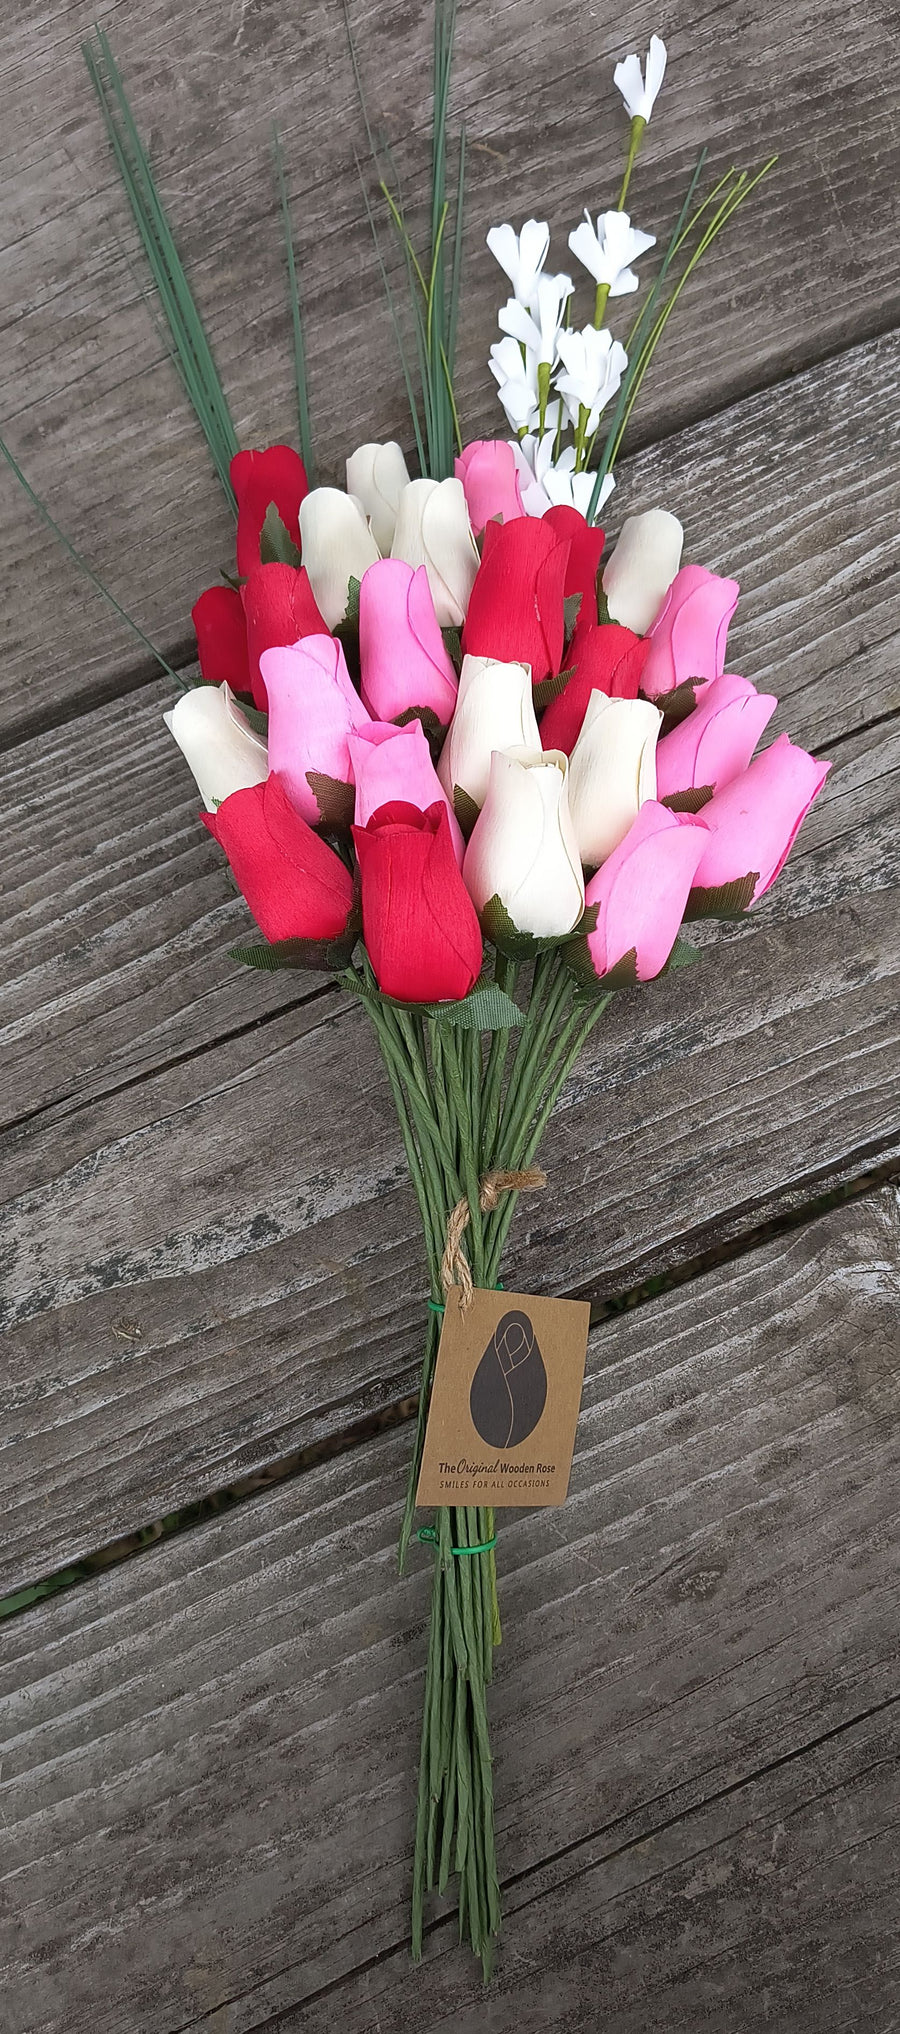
454,1263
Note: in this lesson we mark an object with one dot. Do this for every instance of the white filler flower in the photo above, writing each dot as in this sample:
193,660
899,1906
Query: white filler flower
521,256
516,378
567,489
594,363
608,250
640,93
539,329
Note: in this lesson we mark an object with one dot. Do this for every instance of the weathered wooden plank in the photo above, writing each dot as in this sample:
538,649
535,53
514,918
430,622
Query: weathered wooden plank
772,1907
209,1753
214,1265
116,937
91,403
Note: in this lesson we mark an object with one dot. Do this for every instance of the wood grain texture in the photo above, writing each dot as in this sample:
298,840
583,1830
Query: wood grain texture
208,1765
91,403
215,1264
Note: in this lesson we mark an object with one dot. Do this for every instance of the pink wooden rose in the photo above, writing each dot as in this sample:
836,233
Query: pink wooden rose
688,637
753,821
391,763
488,471
402,655
716,741
642,889
313,709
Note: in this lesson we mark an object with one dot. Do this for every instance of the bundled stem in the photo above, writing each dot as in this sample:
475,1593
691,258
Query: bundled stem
464,1112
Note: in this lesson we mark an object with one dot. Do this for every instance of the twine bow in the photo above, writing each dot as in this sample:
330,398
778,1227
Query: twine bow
454,1263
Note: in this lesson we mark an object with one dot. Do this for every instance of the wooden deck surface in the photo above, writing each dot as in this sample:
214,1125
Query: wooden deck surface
210,1266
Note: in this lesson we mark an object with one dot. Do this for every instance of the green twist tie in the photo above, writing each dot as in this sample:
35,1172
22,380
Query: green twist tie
428,1534
437,1306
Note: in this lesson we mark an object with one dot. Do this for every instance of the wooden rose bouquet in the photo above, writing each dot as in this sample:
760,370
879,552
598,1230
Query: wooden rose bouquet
475,765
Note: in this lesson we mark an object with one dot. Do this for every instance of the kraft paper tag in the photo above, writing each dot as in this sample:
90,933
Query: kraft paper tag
505,1400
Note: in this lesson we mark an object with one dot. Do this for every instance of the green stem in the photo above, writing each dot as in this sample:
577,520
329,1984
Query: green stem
505,974
600,302
634,144
731,204
438,1073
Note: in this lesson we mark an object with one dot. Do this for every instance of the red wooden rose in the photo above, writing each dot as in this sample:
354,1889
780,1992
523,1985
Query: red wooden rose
606,658
275,475
295,885
279,608
516,608
218,618
419,923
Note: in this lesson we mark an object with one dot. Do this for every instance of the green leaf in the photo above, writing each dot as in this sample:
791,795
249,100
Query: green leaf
254,717
466,810
453,647
300,377
692,800
571,611
231,579
636,342
433,729
683,955
181,680
487,1009
276,545
350,617
603,614
729,900
593,987
624,975
550,688
347,631
498,927
675,706
336,801
327,956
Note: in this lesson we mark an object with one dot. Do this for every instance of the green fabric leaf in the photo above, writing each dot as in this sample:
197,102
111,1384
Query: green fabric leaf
683,955
550,688
336,801
253,715
571,611
327,956
433,729
498,927
466,810
350,617
675,706
624,975
729,900
593,987
487,1009
603,614
276,545
453,647
347,632
692,800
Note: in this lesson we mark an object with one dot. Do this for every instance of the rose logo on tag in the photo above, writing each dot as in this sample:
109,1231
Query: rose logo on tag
505,1398
509,1388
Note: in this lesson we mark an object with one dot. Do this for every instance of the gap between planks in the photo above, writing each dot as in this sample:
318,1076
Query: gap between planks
401,1410
135,676
702,1641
